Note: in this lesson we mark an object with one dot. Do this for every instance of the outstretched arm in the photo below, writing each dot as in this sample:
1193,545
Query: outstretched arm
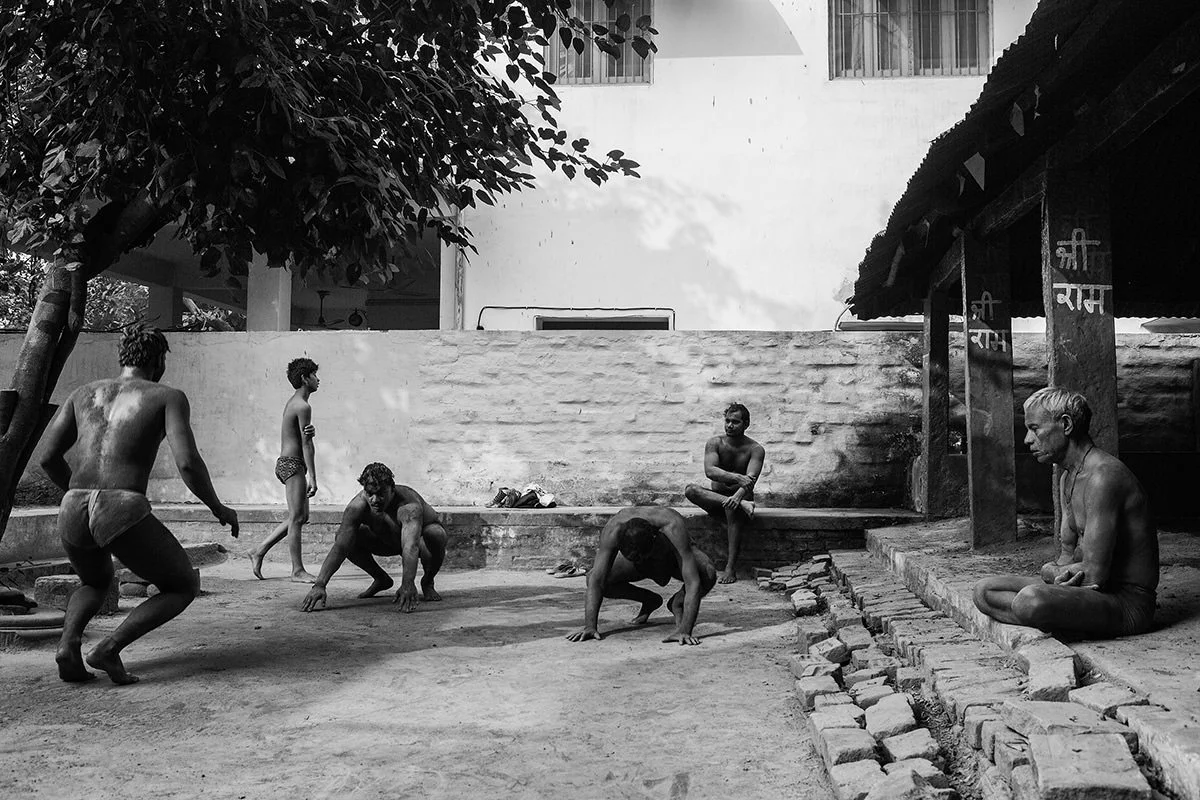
410,518
606,552
191,466
343,545
59,436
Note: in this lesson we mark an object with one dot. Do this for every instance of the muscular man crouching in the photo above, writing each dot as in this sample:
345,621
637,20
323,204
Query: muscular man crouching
385,520
647,543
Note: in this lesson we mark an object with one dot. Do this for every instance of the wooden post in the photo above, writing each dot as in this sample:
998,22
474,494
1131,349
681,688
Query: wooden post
1077,291
935,413
1195,405
991,453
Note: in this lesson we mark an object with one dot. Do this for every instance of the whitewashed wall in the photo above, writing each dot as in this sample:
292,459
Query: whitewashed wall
763,180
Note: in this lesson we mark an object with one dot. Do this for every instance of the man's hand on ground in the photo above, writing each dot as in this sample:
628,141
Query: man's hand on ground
682,638
406,596
227,516
584,635
315,595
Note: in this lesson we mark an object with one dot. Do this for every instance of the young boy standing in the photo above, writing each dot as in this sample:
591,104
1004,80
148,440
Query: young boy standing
295,468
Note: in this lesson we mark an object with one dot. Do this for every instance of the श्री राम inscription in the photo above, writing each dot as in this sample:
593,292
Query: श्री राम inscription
1072,253
987,338
1088,297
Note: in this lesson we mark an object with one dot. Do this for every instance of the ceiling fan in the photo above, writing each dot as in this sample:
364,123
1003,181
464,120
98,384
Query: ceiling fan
323,293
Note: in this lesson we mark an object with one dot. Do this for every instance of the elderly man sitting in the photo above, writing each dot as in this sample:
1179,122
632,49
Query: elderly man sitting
1103,582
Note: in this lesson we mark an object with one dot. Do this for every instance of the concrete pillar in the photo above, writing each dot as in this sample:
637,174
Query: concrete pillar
268,297
991,445
450,289
165,307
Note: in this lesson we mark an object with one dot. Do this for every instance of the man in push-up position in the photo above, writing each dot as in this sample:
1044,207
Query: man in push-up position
1104,580
116,426
647,543
385,520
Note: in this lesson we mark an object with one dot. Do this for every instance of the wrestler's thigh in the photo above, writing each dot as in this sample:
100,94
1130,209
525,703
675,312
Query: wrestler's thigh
93,565
296,491
151,551
433,537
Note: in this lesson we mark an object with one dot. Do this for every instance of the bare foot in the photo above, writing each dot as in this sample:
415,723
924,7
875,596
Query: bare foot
70,666
748,508
727,577
256,564
103,657
302,576
648,608
377,586
428,592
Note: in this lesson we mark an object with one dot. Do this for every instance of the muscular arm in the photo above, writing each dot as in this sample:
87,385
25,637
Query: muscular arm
410,516
715,472
191,466
343,545
677,534
59,436
606,552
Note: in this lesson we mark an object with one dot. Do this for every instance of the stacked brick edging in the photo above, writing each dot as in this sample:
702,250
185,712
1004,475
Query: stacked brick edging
1011,710
1170,744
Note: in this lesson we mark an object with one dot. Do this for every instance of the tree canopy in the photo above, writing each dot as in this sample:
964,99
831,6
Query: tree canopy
326,134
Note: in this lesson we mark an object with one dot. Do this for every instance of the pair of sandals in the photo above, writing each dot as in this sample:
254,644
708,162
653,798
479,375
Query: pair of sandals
566,570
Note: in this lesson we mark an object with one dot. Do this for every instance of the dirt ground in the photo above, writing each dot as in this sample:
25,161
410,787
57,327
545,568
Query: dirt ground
243,696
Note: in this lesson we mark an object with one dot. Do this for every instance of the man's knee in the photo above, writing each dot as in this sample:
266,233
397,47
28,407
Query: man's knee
1032,606
692,492
185,584
980,594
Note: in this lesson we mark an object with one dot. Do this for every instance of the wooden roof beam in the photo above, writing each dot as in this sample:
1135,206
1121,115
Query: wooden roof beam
1022,196
949,270
1164,79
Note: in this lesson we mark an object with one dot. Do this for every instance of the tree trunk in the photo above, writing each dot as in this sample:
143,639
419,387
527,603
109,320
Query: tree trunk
25,409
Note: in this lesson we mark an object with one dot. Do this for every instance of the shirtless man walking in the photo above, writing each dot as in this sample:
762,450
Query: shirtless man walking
732,463
385,520
118,425
647,543
296,468
1104,581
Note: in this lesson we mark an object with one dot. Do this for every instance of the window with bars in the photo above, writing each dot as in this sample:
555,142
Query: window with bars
907,38
592,66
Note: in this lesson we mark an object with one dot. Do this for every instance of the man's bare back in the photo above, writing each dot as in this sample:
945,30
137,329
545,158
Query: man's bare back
120,424
115,427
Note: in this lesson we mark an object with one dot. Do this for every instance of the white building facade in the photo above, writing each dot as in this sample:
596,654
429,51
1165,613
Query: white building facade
773,136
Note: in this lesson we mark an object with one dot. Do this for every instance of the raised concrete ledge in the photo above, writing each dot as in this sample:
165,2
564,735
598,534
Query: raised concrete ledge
500,537
935,563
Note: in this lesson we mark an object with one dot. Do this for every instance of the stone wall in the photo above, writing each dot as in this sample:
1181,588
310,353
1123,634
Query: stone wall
596,417
1154,386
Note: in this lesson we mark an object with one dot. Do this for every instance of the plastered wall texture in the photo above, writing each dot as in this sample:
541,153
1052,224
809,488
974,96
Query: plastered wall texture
598,418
